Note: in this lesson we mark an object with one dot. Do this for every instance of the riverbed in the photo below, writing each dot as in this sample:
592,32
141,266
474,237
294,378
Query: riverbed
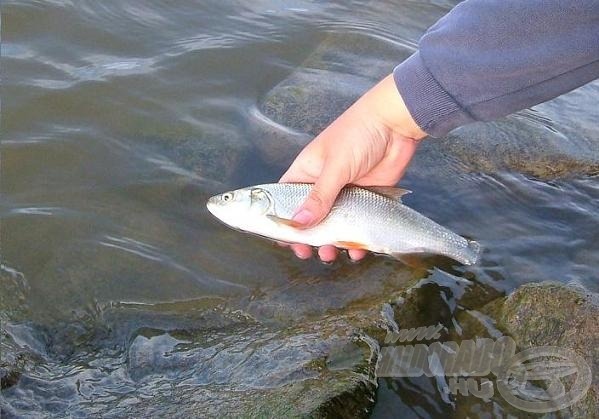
122,295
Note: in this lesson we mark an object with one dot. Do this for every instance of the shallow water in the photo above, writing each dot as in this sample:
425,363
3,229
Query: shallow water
119,119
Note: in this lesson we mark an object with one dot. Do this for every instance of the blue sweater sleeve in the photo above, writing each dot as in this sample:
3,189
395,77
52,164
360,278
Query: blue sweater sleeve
488,58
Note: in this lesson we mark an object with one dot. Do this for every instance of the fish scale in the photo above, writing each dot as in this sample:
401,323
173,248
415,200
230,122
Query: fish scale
372,218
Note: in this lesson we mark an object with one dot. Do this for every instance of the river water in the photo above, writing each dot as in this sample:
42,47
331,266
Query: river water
121,294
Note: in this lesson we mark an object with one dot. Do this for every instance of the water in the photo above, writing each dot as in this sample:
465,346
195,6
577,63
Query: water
120,294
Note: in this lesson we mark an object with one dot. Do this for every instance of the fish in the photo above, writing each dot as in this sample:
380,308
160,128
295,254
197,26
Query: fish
369,218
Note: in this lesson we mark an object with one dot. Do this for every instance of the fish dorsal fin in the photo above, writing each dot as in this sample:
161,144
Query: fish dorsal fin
388,191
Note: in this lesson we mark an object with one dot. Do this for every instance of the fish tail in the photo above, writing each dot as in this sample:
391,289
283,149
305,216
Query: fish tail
471,253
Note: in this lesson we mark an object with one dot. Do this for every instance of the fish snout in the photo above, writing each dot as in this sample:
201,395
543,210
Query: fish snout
212,204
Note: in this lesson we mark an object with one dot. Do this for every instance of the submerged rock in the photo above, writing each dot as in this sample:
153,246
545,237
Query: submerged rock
553,314
20,353
13,292
212,152
296,372
16,353
332,77
548,141
200,359
523,143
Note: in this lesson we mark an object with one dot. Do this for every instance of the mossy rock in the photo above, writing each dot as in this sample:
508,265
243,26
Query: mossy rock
20,352
341,68
212,152
553,314
357,54
519,143
13,292
214,361
310,99
547,142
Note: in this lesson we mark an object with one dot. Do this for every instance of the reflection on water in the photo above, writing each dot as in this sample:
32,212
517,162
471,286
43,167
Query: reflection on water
120,294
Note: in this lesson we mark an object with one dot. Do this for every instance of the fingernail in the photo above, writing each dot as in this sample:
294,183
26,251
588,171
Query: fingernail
302,256
304,217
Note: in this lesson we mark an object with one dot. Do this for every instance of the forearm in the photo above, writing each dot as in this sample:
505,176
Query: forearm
487,59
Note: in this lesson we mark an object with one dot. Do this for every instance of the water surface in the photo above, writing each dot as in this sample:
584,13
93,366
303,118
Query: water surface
119,120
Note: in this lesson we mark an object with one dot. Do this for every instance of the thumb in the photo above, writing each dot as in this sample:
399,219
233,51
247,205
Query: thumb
322,196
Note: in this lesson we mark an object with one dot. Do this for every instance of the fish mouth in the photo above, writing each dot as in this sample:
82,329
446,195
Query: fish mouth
211,204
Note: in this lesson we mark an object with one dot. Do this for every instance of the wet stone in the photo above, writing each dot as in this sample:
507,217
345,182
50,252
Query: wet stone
553,314
211,152
357,54
20,353
299,108
311,99
13,292
338,72
520,143
547,142
202,359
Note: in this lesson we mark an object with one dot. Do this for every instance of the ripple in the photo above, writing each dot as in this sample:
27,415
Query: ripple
155,254
139,303
37,210
255,113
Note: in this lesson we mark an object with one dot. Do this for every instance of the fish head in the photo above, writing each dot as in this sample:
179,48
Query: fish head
242,208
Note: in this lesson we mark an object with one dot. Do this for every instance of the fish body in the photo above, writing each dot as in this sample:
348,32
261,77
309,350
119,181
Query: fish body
372,219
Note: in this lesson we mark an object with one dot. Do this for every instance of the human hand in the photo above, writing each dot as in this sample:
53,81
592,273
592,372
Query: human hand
370,144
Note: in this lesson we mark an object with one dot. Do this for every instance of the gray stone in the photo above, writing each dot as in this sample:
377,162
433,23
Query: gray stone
523,144
552,140
333,76
553,314
212,152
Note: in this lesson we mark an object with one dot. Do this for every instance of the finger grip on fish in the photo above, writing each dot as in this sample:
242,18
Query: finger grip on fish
369,218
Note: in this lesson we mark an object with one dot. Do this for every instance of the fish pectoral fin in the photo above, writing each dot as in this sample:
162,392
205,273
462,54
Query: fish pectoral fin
284,221
388,191
351,245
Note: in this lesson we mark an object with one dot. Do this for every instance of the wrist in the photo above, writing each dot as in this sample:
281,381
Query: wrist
392,110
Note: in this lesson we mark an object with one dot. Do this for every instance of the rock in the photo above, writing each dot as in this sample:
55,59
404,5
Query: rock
299,108
357,54
16,355
212,152
552,314
310,99
331,78
13,292
277,144
299,372
535,315
547,142
520,143
21,352
200,359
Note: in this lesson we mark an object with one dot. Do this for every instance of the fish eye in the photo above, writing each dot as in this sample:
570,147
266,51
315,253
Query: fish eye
227,196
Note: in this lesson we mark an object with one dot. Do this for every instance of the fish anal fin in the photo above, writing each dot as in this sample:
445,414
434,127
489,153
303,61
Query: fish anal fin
388,191
284,221
351,245
413,260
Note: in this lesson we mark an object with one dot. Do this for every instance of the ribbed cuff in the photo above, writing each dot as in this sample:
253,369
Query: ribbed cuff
433,109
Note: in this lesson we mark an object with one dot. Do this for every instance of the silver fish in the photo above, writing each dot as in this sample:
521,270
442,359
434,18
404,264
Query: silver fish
369,218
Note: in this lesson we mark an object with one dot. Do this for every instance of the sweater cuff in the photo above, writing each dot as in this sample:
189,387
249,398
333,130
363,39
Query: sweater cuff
433,109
